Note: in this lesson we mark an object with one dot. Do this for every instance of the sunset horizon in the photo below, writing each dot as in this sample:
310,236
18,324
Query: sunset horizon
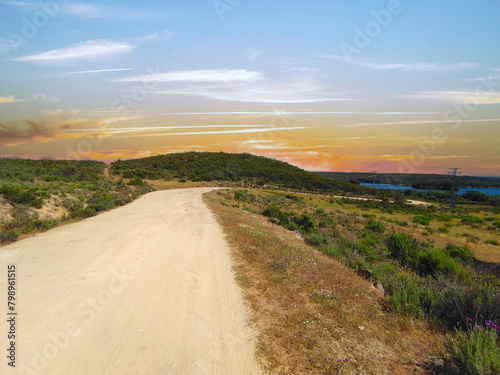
385,86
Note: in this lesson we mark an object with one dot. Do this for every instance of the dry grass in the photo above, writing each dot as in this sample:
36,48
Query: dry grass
314,315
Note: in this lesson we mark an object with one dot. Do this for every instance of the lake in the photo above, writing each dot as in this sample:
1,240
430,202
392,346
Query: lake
487,191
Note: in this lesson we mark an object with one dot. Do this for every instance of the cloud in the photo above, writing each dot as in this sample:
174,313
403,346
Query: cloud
51,126
394,123
164,35
239,85
44,98
489,78
214,75
97,71
9,99
86,10
91,11
293,113
220,132
403,67
156,131
89,50
466,96
253,54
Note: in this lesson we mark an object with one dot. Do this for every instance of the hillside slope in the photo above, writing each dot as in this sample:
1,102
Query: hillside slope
210,166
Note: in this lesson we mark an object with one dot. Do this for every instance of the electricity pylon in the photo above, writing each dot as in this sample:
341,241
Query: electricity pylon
453,172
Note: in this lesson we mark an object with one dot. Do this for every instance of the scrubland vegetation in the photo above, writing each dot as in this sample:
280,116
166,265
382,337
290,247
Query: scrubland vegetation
428,268
42,194
298,246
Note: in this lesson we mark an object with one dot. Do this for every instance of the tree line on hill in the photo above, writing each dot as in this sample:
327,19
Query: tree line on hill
220,166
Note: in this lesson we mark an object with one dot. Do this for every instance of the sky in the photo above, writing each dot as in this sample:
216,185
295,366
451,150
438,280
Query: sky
328,85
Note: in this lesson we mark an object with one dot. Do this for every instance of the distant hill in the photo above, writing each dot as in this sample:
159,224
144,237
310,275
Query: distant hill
417,181
220,166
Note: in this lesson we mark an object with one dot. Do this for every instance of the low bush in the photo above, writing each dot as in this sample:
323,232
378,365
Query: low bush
492,242
474,351
23,194
463,253
316,240
375,226
470,219
8,236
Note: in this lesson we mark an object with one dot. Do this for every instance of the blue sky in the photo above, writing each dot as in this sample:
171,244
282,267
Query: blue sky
408,86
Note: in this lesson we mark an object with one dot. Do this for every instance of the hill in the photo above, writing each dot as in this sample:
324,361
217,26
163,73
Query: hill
220,166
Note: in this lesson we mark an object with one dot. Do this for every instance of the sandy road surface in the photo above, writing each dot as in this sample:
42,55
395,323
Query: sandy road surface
142,289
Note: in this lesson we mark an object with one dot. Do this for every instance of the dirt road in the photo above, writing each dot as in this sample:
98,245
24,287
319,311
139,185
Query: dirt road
142,289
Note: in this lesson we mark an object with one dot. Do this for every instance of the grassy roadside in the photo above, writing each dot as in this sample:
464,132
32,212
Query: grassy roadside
314,314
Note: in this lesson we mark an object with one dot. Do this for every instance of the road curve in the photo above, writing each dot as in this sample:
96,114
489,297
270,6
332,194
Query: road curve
143,289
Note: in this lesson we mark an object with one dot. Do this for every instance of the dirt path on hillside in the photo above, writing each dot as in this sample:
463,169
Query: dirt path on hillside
410,201
142,289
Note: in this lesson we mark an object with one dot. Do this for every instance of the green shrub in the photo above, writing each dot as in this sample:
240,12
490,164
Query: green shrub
422,219
273,211
470,219
492,242
404,248
463,253
22,194
437,262
316,240
405,294
323,224
443,230
305,223
475,351
375,226
182,180
457,300
8,236
137,181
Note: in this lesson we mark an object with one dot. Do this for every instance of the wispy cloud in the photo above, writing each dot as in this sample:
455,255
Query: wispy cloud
164,35
490,77
44,98
239,85
156,131
252,54
477,96
404,67
395,123
89,50
293,113
51,126
214,75
4,99
97,71
235,131
92,11
9,99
